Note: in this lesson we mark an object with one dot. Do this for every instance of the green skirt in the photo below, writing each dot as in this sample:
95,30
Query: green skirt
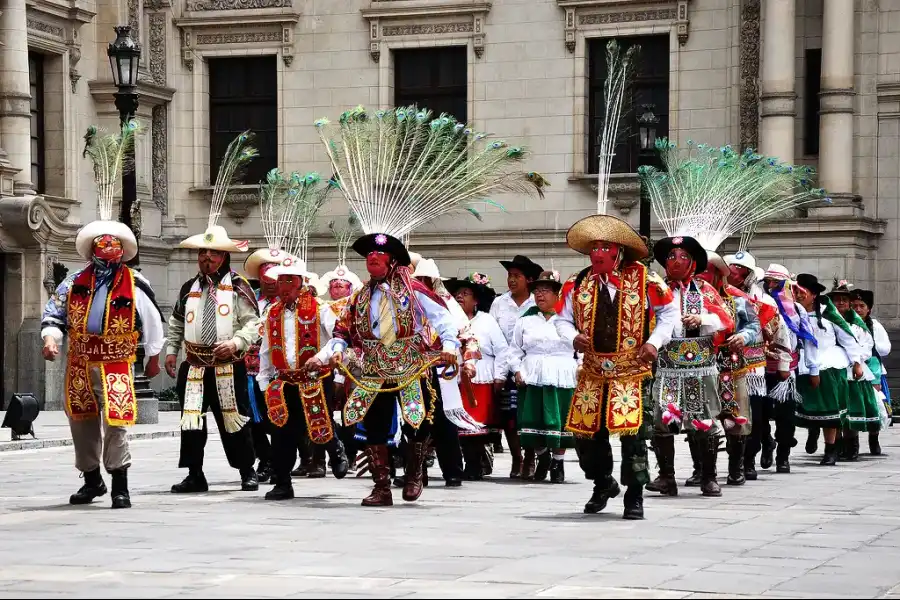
862,407
542,415
825,405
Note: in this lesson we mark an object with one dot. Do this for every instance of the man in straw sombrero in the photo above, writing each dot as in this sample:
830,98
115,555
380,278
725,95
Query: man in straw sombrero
215,320
606,309
106,309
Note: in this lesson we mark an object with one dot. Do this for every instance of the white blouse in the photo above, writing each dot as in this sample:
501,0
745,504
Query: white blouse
828,354
266,368
493,348
506,312
540,354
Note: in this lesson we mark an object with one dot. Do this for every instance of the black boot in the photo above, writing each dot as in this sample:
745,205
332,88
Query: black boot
874,445
830,458
473,459
665,484
851,445
602,493
93,488
709,445
812,440
283,490
340,464
543,465
120,496
263,472
194,483
735,446
697,477
249,482
317,470
749,461
783,459
768,450
634,504
557,471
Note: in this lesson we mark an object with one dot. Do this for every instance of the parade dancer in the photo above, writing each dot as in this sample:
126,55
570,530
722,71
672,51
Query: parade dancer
399,169
607,310
862,303
106,310
216,320
506,310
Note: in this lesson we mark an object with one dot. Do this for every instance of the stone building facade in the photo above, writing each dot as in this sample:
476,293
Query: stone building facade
809,81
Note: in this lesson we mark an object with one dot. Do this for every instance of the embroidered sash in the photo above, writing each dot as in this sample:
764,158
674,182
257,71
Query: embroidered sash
620,373
306,344
682,365
200,358
112,352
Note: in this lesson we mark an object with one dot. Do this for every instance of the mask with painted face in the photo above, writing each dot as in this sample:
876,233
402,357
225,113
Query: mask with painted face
210,261
605,258
268,285
711,276
679,265
339,288
108,249
379,264
289,287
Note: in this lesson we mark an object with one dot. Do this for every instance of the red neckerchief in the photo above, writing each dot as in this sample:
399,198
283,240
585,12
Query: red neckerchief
613,278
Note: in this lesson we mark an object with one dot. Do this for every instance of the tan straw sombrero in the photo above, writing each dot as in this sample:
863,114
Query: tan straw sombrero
583,235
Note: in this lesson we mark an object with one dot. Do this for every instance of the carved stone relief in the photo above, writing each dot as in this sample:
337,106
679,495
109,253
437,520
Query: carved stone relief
204,5
426,29
575,18
238,37
749,69
46,28
160,135
627,16
408,21
157,43
134,19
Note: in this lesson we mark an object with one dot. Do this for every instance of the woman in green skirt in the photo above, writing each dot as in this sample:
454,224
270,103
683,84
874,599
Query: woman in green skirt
544,362
823,373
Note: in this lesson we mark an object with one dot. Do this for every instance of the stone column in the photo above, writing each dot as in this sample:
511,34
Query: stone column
15,95
836,153
778,80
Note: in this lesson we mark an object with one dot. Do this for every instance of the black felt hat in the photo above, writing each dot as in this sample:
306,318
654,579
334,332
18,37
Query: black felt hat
480,286
548,278
810,282
867,296
690,245
382,242
529,268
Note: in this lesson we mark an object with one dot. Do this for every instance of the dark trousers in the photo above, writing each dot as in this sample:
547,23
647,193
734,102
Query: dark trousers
287,439
595,455
379,418
238,446
761,410
262,429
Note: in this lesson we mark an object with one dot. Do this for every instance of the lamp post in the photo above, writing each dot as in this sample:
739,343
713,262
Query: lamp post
124,58
647,123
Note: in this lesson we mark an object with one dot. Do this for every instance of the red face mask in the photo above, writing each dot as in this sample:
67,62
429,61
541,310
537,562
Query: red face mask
210,261
710,275
268,286
679,265
339,288
737,275
604,258
378,264
289,288
108,248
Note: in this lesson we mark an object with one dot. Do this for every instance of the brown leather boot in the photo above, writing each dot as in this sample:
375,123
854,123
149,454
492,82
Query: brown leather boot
318,462
665,484
415,457
381,473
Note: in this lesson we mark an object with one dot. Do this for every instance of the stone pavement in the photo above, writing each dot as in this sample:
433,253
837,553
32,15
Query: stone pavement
815,533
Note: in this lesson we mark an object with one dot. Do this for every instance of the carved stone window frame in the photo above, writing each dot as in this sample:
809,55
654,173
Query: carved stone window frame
425,23
54,30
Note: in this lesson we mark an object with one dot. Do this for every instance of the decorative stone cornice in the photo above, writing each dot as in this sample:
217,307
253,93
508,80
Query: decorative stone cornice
238,203
601,14
69,10
220,28
28,221
433,18
150,94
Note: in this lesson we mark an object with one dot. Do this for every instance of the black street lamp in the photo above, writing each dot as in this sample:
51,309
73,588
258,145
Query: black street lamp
647,123
124,58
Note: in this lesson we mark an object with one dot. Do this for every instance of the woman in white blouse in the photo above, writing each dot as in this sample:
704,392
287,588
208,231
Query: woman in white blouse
862,302
545,364
475,295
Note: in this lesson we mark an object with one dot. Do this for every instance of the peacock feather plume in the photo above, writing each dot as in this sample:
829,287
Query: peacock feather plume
238,154
289,206
619,67
344,236
712,193
403,167
111,156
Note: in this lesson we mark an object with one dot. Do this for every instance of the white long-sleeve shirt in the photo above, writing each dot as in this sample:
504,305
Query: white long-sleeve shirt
493,346
289,333
882,341
667,317
438,317
836,349
541,354
506,312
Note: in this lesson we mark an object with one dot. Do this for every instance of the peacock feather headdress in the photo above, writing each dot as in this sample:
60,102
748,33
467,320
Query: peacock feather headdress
711,193
343,236
289,207
238,154
401,168
111,157
619,67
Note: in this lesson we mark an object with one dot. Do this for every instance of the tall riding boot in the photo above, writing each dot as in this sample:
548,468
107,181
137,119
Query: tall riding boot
515,450
655,485
830,458
378,458
854,453
93,488
666,484
120,496
874,445
812,440
735,446
473,456
749,461
709,445
697,477
338,458
768,449
415,458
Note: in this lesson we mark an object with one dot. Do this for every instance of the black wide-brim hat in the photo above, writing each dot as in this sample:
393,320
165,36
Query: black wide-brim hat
484,295
382,242
662,248
545,278
867,296
529,268
811,283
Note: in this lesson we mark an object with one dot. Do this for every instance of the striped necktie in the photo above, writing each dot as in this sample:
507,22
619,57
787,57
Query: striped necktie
208,325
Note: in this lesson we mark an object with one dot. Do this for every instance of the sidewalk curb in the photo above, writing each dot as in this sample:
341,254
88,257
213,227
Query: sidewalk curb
59,443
